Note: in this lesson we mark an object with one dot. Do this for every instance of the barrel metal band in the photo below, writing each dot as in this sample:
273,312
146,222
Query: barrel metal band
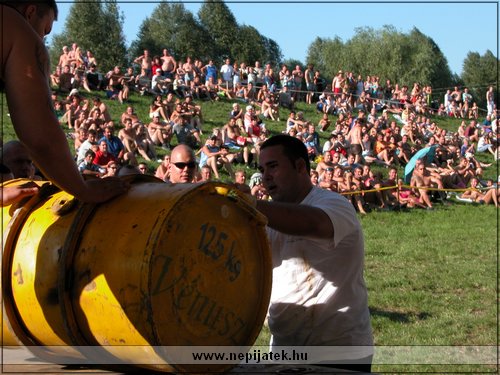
10,235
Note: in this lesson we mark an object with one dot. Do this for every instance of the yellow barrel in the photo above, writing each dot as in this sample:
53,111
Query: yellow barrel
163,265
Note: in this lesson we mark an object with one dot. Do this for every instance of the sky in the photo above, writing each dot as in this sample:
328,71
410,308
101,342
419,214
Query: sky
456,27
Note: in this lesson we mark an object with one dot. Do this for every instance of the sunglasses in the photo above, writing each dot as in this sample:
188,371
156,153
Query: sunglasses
182,165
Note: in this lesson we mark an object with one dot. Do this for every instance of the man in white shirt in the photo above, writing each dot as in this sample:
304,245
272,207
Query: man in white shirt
227,72
319,297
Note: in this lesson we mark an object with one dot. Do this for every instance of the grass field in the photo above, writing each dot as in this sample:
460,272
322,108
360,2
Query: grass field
432,276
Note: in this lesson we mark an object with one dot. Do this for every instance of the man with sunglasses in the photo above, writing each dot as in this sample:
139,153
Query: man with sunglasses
182,165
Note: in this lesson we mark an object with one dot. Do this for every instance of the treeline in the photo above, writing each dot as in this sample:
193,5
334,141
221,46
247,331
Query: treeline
214,33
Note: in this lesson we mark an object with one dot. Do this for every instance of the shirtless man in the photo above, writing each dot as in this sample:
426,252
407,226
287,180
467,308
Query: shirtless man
188,68
24,72
145,61
338,83
128,137
298,77
65,57
169,65
354,137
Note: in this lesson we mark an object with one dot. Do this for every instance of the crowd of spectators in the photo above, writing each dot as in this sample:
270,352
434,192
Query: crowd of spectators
367,123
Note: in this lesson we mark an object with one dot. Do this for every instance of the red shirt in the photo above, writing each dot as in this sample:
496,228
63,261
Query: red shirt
103,160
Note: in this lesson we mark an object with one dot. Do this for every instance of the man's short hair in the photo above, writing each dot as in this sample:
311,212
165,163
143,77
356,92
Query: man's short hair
293,148
90,153
42,6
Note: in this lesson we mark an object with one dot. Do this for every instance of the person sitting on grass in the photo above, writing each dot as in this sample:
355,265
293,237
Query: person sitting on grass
214,156
473,193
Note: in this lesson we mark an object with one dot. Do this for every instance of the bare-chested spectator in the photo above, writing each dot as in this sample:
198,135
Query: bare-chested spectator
270,109
298,78
235,138
81,121
193,113
103,108
354,139
64,58
145,61
382,150
73,107
96,121
145,143
422,180
159,132
163,170
80,135
55,77
115,84
169,65
325,163
189,70
130,114
338,83
128,135
475,194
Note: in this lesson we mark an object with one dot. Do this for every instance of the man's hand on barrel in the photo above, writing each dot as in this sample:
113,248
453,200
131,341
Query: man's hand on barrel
13,194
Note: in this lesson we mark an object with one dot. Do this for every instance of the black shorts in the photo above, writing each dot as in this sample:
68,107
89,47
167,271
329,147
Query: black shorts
355,149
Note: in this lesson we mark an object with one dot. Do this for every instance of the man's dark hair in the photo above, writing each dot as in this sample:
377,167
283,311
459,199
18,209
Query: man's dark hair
90,153
293,148
42,6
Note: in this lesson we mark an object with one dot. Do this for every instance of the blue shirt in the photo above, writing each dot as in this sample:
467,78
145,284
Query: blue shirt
115,145
211,72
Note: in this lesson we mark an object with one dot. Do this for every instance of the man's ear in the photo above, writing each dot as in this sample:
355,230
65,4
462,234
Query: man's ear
30,12
300,165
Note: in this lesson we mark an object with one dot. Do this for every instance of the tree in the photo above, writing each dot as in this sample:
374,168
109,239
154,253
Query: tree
327,56
172,26
478,73
386,53
249,46
93,27
220,24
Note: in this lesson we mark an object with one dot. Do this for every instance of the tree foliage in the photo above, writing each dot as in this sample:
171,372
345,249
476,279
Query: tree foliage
214,34
478,73
387,53
173,27
94,25
216,18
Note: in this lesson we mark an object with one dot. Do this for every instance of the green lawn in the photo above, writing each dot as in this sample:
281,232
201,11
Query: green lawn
432,276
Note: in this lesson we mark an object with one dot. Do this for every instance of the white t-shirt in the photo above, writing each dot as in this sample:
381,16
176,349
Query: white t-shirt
319,295
227,72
